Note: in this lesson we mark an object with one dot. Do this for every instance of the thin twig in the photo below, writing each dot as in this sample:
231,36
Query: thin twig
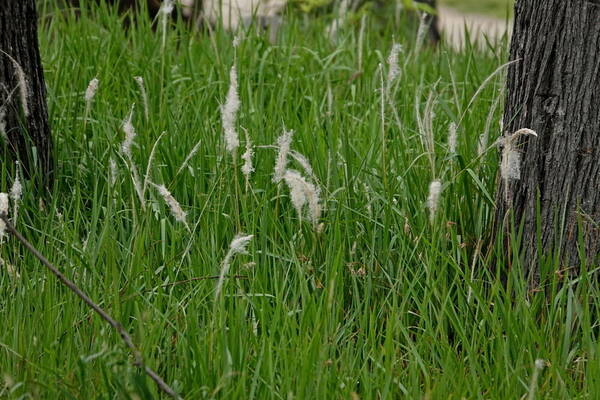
202,278
138,359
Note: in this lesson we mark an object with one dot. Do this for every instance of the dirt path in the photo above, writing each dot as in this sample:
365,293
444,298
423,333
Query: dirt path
453,23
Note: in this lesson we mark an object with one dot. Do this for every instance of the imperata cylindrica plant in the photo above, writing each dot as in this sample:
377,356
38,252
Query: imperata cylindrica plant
130,134
248,166
113,170
425,124
510,165
435,189
90,92
421,32
304,163
12,272
190,155
166,7
165,11
3,212
229,113
142,87
237,39
22,85
176,210
3,133
452,138
304,193
237,246
149,164
16,192
393,66
482,144
538,366
283,143
295,183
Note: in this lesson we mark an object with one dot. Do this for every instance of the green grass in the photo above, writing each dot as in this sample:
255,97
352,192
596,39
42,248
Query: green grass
384,303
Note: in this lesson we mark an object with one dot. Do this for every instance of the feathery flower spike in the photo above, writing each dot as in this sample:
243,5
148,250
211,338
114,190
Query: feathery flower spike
248,167
435,189
238,246
229,113
3,211
394,69
173,204
90,92
283,142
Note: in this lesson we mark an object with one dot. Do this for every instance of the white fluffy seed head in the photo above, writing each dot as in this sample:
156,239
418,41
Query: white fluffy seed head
435,189
90,92
525,132
167,7
283,142
229,113
314,204
129,131
10,269
3,133
510,166
173,204
540,364
190,155
16,191
303,192
295,183
239,243
3,211
304,163
140,82
394,68
23,89
114,172
3,203
237,246
421,33
482,144
248,166
452,137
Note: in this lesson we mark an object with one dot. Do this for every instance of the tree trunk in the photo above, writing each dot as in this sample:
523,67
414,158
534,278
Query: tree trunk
23,113
554,89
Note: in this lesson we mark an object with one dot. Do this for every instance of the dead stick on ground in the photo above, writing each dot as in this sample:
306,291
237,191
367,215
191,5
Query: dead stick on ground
139,360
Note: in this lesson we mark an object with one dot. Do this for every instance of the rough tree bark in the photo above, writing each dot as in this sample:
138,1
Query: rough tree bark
554,89
22,90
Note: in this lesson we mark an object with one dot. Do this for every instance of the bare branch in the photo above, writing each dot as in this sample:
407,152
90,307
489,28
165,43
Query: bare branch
138,359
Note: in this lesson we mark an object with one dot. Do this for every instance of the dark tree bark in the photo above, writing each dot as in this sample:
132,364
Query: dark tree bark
23,91
554,89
